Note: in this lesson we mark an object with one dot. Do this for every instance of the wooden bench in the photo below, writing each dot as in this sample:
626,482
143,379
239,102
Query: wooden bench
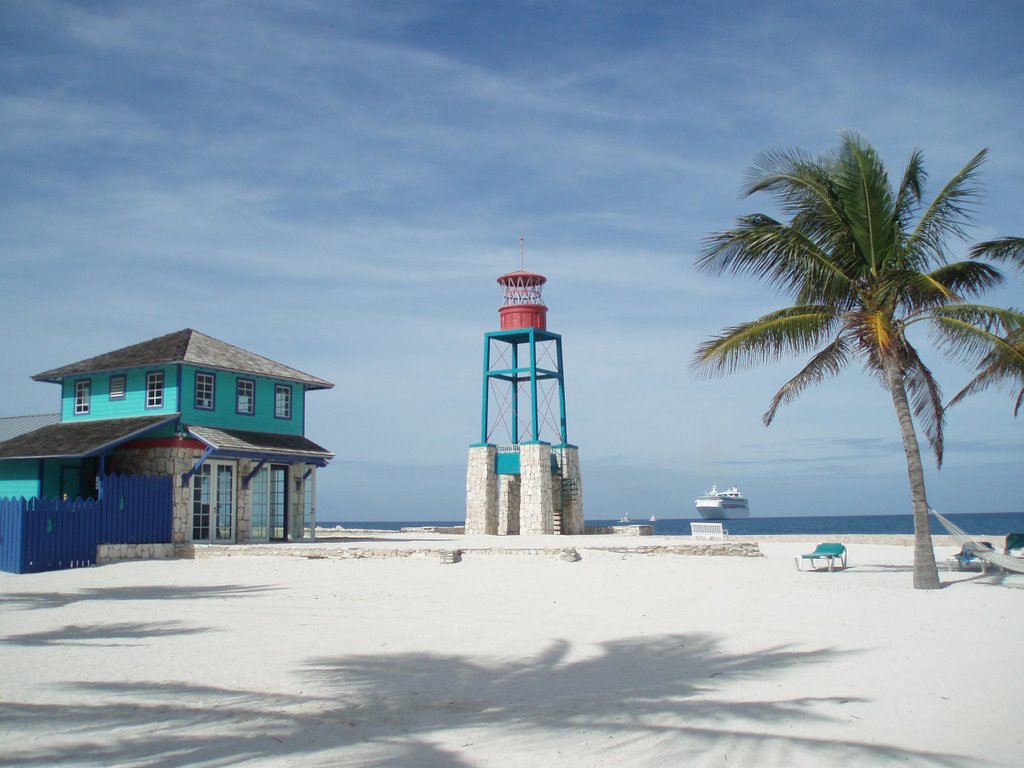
708,531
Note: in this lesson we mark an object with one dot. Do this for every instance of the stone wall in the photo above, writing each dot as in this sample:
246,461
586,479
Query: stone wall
528,503
621,530
536,512
710,549
481,491
569,487
508,505
116,553
243,500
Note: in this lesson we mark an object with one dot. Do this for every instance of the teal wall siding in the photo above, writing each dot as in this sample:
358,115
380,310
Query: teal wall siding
19,479
82,478
224,415
134,402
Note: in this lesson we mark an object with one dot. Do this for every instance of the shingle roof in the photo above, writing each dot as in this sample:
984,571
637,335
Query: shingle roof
12,426
84,438
186,346
237,441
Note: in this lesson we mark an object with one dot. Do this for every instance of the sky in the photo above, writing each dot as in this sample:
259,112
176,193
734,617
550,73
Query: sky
337,186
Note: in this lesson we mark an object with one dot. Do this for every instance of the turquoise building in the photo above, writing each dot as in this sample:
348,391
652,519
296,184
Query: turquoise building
229,425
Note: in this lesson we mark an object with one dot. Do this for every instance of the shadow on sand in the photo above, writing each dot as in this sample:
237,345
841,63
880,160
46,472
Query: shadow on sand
124,633
37,600
661,700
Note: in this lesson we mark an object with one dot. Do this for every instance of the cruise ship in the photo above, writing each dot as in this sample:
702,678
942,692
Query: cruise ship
723,505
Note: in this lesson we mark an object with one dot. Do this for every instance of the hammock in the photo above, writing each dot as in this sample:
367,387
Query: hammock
964,539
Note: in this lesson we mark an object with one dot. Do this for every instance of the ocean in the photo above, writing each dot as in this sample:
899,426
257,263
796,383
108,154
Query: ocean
992,524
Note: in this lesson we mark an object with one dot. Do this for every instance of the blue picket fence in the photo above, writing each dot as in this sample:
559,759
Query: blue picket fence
42,534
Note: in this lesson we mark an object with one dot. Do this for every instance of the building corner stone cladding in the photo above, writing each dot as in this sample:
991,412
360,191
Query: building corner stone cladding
536,511
482,490
536,501
567,489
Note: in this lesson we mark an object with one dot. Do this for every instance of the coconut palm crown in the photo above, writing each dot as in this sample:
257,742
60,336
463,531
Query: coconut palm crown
864,263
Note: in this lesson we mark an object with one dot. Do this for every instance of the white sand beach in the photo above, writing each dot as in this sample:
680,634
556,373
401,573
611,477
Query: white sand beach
504,659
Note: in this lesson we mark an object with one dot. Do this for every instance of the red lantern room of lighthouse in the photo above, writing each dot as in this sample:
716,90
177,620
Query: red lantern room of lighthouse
523,475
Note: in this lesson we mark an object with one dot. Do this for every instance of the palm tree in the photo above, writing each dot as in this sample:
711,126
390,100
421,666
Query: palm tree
863,264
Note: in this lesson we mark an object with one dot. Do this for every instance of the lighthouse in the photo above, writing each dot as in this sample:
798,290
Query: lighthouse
523,476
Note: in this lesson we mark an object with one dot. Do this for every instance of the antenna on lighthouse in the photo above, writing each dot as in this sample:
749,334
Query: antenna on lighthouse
521,248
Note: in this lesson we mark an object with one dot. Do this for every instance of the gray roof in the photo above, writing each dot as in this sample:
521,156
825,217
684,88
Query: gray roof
12,426
186,346
78,439
238,442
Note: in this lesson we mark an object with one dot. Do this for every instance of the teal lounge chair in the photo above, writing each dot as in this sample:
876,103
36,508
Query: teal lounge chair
829,552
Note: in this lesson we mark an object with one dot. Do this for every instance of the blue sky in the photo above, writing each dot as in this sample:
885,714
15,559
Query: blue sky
337,186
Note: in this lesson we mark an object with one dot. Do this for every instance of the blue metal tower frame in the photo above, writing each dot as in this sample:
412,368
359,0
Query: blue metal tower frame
518,374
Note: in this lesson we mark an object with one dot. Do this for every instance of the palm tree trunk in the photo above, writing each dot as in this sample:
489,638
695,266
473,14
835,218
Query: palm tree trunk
926,573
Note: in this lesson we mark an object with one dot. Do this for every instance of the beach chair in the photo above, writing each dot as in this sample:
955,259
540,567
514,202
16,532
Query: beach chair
967,560
827,552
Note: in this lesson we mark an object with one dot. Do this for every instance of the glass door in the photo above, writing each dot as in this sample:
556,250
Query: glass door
213,503
260,486
225,509
278,502
269,503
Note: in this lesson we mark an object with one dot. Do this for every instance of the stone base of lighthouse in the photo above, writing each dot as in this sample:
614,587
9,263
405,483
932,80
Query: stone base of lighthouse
544,497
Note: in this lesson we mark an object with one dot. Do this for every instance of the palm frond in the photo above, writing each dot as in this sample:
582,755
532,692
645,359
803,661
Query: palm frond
1009,249
971,332
778,254
794,330
799,183
911,190
949,214
949,284
1002,366
824,365
866,197
967,278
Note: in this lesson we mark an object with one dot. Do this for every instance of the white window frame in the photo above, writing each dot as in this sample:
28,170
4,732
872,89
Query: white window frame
279,411
251,384
212,400
155,389
83,396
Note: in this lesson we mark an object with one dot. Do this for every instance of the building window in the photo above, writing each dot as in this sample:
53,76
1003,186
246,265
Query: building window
117,387
155,389
245,397
83,389
282,401
204,391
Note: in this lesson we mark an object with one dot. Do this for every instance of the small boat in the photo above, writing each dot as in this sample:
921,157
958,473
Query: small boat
653,519
624,518
723,505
